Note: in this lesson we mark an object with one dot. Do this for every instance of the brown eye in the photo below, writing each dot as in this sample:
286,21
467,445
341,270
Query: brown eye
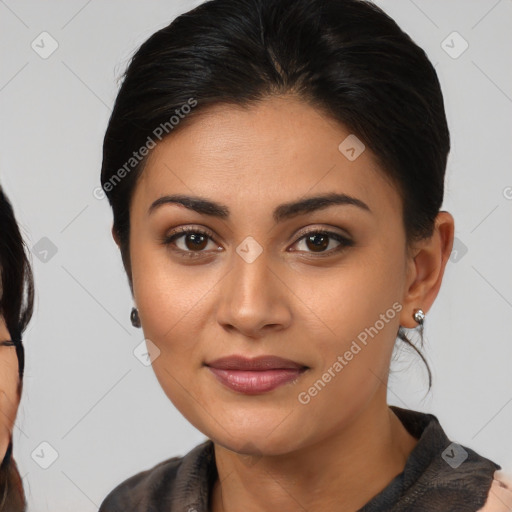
195,241
319,241
189,240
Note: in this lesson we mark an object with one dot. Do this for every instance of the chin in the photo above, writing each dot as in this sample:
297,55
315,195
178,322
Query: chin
254,443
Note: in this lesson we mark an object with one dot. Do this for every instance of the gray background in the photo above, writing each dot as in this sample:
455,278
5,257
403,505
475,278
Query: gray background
85,394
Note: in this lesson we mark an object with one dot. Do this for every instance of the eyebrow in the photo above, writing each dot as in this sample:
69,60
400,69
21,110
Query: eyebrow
282,212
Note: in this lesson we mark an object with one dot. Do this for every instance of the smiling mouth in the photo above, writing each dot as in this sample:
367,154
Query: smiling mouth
255,375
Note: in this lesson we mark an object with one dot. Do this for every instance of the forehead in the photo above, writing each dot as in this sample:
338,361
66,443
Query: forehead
276,150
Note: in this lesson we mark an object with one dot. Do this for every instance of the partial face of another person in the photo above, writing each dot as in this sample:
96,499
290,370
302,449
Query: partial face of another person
251,284
9,379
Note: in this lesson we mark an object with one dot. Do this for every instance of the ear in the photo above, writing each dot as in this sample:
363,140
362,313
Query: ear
115,237
426,269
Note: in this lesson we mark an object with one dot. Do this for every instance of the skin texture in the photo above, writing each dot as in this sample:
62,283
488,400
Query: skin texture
8,388
273,452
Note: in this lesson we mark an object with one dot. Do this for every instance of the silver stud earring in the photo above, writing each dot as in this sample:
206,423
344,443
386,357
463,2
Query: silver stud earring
134,317
419,316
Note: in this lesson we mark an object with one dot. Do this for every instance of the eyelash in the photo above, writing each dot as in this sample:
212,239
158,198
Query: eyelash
345,242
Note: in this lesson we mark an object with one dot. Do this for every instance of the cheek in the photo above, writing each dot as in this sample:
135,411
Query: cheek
356,319
342,303
160,289
171,299
8,389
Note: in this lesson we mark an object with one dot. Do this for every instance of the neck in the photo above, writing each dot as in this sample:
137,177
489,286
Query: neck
343,471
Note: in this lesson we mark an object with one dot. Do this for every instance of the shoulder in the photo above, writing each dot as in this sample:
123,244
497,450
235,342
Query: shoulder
169,485
137,492
500,493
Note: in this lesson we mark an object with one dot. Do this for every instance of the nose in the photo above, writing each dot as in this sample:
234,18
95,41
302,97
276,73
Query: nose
253,298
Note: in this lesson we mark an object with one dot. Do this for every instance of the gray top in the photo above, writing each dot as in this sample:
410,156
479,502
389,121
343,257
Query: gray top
438,476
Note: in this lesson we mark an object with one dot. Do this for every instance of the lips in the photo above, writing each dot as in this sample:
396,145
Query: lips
261,363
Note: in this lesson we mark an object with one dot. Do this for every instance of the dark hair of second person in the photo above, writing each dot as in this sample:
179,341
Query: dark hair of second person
16,307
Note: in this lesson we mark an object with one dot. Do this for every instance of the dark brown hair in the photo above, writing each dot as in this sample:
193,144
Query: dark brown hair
16,306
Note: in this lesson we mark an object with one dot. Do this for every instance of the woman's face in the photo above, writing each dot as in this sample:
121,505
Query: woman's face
306,299
9,378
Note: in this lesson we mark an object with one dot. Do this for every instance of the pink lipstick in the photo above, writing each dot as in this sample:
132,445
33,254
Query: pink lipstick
255,375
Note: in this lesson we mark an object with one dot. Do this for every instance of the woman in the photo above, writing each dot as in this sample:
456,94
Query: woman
16,305
276,172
